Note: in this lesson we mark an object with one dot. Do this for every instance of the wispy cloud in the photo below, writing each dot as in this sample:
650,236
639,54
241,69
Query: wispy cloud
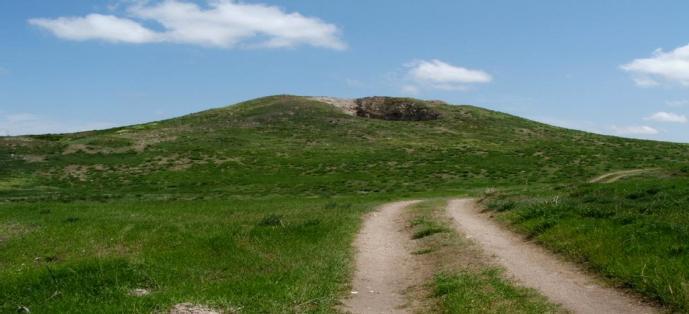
662,67
28,123
678,103
670,117
97,26
223,23
634,130
436,74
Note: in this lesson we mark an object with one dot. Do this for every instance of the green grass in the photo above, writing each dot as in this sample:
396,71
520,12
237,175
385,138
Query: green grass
221,206
290,146
424,227
466,281
486,292
87,257
634,231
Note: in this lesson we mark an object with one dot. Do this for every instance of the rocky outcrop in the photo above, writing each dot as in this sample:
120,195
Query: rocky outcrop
385,108
396,109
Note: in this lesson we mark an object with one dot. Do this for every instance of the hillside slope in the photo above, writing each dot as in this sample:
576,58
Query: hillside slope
283,145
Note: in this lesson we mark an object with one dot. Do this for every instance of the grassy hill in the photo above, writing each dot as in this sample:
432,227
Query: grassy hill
285,145
255,205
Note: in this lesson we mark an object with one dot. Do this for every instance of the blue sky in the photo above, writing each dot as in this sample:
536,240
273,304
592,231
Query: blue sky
608,66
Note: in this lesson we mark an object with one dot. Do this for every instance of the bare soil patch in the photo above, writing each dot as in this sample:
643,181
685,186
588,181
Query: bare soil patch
189,308
347,106
33,158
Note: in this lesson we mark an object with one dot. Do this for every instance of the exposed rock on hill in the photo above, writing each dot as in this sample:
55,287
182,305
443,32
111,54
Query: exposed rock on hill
347,105
384,108
398,109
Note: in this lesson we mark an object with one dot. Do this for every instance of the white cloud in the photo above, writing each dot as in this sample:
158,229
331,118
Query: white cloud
635,130
96,26
27,123
662,67
437,74
663,116
645,82
223,23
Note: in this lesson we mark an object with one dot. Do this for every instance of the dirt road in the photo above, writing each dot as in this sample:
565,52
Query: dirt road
385,267
533,267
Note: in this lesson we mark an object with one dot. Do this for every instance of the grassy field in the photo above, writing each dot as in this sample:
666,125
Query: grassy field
254,206
258,255
634,231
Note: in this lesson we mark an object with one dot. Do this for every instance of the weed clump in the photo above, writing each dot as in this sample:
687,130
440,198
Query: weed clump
71,220
428,231
271,220
422,251
502,205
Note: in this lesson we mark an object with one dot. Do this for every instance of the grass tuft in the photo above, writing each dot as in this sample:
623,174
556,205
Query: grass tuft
424,227
423,251
485,292
427,231
271,220
71,219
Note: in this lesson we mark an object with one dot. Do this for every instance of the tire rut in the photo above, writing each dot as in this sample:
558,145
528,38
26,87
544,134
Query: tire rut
385,267
532,266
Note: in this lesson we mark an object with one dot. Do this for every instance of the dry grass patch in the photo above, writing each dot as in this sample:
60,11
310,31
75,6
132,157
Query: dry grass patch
10,230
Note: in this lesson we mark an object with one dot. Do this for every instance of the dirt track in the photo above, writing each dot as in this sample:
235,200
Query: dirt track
533,267
385,267
618,175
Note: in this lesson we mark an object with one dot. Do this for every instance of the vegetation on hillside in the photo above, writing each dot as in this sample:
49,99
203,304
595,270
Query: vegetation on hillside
285,145
255,205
